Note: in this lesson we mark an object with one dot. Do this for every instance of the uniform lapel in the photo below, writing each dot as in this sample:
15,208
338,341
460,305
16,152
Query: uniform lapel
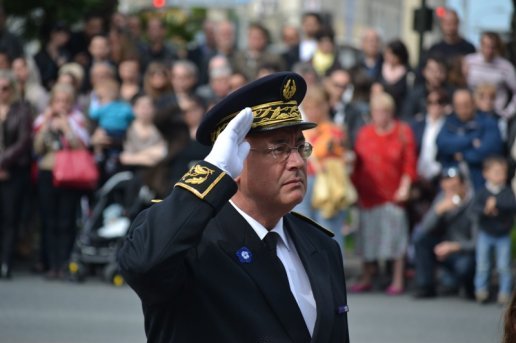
317,268
263,270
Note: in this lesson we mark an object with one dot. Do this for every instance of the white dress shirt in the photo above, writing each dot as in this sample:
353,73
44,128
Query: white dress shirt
296,273
427,165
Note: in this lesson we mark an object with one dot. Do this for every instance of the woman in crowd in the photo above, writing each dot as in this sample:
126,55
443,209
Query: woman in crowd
60,126
29,85
328,141
143,146
395,72
384,170
156,84
15,158
130,79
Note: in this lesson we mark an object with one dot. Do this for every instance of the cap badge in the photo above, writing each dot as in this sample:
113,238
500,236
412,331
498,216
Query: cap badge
289,89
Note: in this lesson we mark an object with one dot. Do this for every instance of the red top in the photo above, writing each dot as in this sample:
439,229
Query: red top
381,161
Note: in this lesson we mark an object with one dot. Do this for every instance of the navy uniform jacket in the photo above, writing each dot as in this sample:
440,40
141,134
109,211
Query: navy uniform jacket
182,258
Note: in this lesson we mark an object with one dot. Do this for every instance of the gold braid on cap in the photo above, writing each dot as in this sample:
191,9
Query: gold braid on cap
268,114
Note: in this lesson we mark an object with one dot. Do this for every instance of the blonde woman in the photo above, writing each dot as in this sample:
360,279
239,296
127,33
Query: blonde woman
384,170
59,126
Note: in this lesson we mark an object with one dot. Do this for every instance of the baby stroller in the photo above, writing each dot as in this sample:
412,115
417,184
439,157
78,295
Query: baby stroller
104,227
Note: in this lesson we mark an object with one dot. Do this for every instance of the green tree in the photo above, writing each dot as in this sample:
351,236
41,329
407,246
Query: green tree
38,16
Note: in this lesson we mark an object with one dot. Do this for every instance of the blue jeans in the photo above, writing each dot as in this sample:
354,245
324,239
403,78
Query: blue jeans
502,247
334,223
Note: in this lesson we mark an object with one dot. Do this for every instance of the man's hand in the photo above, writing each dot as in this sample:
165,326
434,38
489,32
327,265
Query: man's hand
230,148
445,249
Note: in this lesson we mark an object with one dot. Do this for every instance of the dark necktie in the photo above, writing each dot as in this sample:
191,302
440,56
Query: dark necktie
271,241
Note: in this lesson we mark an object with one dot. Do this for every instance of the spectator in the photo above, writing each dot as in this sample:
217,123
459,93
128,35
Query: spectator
28,84
15,163
143,145
426,127
394,76
452,44
249,59
311,24
339,87
237,80
53,54
434,78
494,207
468,137
456,76
130,77
225,40
59,126
157,49
80,40
112,118
99,73
446,237
122,45
329,143
488,66
204,50
291,41
371,58
9,42
183,76
193,109
356,113
156,84
485,101
307,71
325,57
384,170
219,80
5,60
100,52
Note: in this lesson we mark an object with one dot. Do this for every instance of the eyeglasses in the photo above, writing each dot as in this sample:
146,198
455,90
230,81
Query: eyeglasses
281,152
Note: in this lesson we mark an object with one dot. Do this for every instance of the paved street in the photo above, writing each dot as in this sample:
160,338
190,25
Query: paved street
35,310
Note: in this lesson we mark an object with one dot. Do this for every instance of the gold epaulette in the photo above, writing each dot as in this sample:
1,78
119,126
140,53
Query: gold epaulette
314,223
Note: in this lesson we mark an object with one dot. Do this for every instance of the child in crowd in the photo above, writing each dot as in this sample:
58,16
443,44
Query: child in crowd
494,208
113,117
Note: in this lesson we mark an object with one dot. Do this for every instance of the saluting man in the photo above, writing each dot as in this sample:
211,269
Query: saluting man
222,258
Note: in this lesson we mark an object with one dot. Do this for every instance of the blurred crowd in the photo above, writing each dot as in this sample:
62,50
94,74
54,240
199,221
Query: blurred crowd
414,162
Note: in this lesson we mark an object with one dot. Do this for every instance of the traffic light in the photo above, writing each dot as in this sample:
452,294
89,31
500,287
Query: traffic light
159,3
440,11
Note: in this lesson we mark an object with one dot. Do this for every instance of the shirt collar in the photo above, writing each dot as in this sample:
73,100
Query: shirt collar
260,230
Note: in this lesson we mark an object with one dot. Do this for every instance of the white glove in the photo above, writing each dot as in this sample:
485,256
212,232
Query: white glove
230,148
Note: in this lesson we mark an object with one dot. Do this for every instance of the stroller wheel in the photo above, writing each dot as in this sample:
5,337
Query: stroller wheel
77,271
113,276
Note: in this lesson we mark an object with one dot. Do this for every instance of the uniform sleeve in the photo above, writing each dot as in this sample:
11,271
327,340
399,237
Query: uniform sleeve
153,257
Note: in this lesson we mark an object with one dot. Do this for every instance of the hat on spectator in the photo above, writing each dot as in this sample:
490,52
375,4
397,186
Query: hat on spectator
453,171
274,100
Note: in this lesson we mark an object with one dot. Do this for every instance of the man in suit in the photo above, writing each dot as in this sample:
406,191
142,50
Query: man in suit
222,258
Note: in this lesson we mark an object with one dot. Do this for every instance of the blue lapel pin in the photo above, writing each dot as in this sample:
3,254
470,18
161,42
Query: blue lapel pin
244,255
